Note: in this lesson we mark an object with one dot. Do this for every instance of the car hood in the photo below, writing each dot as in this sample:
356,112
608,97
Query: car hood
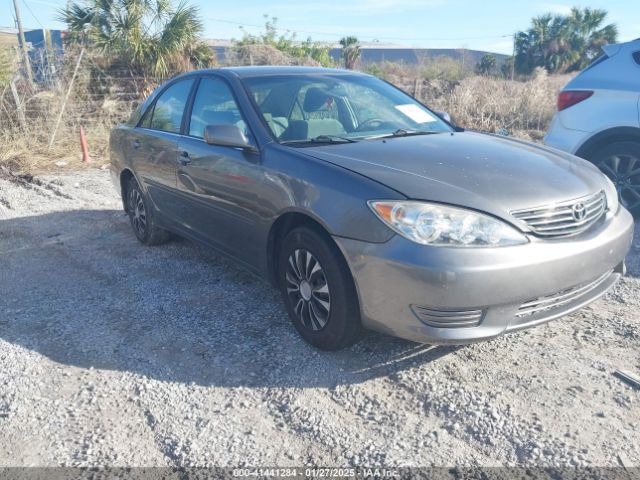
486,172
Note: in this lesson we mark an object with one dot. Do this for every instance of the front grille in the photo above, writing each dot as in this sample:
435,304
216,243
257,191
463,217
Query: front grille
566,218
550,302
447,318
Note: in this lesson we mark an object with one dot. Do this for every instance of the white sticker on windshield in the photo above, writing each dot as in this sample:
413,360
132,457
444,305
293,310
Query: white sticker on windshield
415,113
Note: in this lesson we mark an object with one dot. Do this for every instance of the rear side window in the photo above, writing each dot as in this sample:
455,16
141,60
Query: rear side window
597,61
169,108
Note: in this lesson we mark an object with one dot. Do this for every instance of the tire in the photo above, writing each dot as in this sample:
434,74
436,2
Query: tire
142,217
325,310
620,161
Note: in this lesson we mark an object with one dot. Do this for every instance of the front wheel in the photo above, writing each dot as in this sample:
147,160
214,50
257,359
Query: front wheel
318,290
620,161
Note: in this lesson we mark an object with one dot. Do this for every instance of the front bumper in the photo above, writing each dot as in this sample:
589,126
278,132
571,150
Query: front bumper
511,287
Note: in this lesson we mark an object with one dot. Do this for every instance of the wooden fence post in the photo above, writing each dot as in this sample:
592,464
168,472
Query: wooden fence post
64,103
19,107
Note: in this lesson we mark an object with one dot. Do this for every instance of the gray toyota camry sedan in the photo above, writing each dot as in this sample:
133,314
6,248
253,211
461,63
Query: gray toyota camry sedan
366,208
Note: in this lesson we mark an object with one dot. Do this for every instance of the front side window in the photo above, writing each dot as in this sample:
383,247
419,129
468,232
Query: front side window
214,104
301,108
169,108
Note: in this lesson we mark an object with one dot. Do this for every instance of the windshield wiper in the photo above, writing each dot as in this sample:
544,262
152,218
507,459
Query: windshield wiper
322,139
402,132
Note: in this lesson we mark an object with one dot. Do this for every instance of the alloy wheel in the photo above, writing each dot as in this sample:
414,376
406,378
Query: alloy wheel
624,172
308,290
138,212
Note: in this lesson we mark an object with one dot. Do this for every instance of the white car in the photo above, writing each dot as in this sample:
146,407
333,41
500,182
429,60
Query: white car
599,118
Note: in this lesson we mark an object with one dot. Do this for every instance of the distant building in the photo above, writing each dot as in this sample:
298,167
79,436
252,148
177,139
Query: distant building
379,52
45,50
45,53
414,56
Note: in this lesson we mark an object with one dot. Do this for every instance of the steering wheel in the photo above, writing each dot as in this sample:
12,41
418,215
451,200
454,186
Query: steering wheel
371,124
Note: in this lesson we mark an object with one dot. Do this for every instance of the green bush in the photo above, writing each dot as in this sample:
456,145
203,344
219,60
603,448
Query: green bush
376,70
446,68
287,44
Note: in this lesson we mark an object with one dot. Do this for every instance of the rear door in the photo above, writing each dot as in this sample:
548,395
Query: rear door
155,145
221,185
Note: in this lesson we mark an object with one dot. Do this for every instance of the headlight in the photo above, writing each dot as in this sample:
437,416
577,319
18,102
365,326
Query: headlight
433,224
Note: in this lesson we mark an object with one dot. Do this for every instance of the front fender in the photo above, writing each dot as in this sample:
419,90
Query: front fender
331,195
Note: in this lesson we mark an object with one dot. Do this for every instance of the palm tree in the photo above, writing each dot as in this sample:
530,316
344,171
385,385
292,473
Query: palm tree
563,43
487,64
589,34
350,52
153,36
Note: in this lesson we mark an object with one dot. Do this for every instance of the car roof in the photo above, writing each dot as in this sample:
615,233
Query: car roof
266,70
618,72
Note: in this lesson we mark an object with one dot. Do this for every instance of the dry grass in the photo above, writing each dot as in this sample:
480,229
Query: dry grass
27,148
96,102
524,108
8,39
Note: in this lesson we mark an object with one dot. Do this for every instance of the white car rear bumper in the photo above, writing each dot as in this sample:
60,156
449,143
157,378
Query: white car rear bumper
563,138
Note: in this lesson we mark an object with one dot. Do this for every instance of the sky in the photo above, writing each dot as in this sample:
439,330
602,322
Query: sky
481,25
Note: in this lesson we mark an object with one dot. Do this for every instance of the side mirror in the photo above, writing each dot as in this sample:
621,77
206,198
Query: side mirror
227,136
444,115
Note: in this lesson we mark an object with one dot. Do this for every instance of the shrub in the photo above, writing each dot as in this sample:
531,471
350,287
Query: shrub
307,52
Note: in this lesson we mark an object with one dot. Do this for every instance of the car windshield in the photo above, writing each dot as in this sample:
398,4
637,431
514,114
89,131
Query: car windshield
307,109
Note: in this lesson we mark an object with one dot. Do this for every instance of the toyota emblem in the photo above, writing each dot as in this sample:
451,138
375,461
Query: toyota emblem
579,211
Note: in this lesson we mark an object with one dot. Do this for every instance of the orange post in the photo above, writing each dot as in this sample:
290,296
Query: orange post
83,146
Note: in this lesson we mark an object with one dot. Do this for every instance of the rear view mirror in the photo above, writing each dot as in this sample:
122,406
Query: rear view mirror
227,136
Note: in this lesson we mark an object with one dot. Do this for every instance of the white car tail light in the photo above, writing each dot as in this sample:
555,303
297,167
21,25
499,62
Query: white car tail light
568,98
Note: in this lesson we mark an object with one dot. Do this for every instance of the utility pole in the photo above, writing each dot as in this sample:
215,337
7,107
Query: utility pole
513,63
23,44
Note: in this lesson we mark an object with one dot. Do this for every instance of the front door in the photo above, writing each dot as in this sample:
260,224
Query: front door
221,184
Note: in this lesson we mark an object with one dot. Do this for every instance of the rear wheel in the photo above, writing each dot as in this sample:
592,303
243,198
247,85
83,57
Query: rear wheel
142,217
318,290
620,161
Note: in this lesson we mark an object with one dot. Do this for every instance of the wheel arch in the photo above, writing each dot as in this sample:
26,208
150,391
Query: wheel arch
286,222
617,134
125,177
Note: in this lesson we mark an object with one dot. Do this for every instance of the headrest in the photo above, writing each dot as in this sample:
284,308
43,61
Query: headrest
315,99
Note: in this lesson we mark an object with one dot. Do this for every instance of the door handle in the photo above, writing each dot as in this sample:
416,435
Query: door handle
184,158
136,143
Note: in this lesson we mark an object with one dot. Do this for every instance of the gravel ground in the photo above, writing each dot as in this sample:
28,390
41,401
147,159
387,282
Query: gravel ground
115,354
